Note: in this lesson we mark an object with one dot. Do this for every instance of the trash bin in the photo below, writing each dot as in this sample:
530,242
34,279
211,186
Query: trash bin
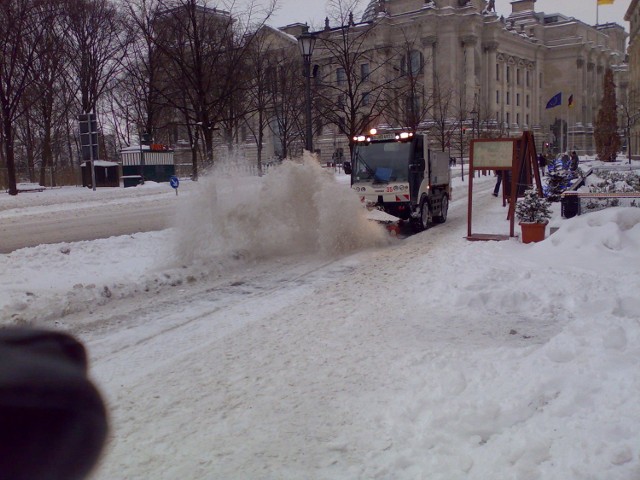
569,205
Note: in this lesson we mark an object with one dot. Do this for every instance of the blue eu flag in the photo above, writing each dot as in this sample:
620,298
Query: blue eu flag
555,100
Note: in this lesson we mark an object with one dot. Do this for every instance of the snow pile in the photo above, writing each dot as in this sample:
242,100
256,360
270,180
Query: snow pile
44,284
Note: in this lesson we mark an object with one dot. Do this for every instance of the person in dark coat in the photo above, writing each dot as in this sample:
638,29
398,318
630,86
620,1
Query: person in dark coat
574,162
496,189
542,163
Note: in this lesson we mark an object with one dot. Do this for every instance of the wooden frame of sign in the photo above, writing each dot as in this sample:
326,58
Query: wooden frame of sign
516,158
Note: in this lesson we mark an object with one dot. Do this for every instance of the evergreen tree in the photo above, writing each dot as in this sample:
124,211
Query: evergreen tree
533,208
606,126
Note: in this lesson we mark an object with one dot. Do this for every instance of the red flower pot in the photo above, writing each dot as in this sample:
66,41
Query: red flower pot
533,232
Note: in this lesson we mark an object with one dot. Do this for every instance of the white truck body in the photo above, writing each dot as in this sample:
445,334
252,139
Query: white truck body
402,177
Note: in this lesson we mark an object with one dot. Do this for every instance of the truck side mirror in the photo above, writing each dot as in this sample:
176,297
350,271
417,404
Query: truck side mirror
347,167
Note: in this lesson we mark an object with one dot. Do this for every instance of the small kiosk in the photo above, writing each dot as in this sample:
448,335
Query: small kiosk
147,162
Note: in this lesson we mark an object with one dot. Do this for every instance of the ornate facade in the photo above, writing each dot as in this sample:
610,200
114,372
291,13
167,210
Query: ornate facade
504,70
632,120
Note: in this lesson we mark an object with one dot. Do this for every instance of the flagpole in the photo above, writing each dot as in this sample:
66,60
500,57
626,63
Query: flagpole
561,135
597,12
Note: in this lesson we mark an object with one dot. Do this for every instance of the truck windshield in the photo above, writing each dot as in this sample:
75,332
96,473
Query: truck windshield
382,162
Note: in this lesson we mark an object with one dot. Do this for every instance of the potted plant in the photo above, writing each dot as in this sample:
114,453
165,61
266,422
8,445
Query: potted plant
533,213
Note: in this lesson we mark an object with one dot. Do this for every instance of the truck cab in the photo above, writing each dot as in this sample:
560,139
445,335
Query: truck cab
397,173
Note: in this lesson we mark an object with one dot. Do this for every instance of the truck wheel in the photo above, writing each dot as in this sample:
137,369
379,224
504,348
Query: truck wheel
425,219
444,207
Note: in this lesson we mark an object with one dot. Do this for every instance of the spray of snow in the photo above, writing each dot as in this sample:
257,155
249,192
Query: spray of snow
296,208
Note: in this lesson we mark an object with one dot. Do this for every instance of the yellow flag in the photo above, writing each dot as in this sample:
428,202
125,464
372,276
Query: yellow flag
605,2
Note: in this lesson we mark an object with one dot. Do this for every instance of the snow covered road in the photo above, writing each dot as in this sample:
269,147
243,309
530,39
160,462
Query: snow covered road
425,358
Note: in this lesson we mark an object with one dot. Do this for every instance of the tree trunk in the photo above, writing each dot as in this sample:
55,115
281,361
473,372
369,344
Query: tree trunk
8,145
47,151
29,149
208,145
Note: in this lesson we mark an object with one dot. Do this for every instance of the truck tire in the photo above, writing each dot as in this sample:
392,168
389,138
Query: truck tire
424,221
444,207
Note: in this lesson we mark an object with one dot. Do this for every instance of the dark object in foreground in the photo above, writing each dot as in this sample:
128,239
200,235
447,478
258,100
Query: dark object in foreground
53,422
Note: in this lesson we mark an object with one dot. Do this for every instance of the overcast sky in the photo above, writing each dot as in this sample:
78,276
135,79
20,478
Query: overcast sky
313,12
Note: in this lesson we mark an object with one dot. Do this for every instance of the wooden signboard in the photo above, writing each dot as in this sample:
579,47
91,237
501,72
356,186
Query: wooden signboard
517,160
493,154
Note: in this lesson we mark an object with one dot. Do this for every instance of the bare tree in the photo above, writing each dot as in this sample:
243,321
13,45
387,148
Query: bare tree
203,49
354,89
140,85
259,103
287,96
22,27
97,43
628,111
443,122
51,99
415,97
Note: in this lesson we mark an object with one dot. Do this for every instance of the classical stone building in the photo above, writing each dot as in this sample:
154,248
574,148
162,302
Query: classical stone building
502,70
632,122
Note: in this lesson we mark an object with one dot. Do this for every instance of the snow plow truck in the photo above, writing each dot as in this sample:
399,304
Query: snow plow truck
397,173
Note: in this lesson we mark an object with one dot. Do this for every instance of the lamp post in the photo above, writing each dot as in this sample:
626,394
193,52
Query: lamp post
473,114
306,42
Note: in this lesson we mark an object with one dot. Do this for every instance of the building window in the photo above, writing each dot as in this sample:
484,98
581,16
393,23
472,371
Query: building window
317,74
498,72
498,97
412,106
341,76
508,98
527,100
527,80
517,99
508,119
243,133
365,99
518,118
508,74
364,71
412,63
527,119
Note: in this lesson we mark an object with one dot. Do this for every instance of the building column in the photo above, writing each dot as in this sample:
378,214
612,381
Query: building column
490,81
580,97
591,72
469,92
429,52
502,118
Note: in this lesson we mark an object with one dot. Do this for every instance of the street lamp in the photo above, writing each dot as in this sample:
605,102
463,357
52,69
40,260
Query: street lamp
473,114
306,42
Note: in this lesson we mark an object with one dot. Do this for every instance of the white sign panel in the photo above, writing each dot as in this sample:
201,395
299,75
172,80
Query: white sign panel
492,154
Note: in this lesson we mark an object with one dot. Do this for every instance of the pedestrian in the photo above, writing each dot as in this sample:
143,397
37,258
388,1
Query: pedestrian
496,189
542,163
575,161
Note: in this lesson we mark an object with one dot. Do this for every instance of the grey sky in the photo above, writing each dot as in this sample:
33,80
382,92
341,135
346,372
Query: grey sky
313,12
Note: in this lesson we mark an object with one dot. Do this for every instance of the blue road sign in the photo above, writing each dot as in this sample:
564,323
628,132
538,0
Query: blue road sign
174,182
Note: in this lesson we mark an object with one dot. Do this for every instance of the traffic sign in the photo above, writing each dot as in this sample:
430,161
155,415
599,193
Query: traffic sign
174,182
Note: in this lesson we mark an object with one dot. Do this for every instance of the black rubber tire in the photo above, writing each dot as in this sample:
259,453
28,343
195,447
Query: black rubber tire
425,220
443,210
